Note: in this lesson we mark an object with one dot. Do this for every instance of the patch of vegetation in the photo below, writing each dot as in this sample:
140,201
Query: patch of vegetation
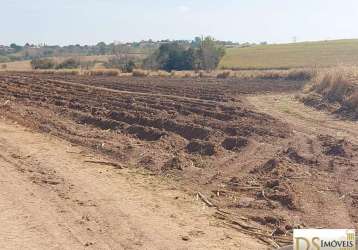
140,73
42,63
335,90
175,56
70,63
124,64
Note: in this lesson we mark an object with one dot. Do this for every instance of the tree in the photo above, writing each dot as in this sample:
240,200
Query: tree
173,56
209,54
200,54
15,47
101,48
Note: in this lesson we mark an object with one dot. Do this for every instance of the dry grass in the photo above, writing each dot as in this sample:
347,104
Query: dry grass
339,87
140,73
102,72
16,66
98,70
301,74
334,85
223,75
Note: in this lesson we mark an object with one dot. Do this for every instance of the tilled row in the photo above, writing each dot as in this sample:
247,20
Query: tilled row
204,124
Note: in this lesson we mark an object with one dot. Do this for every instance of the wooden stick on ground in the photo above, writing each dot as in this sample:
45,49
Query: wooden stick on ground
205,200
116,165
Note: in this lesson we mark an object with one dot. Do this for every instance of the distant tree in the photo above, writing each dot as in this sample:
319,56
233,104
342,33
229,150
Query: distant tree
101,48
129,67
15,47
209,54
173,56
200,54
197,42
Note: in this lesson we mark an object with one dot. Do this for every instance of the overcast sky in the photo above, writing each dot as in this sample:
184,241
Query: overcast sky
90,21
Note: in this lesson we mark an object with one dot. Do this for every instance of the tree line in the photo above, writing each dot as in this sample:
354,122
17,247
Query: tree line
199,54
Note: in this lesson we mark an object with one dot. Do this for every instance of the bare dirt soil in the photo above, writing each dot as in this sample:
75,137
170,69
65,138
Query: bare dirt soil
262,161
55,196
326,148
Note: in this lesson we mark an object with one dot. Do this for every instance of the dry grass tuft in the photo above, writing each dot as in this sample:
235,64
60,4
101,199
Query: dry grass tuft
333,85
340,88
140,73
102,72
162,73
301,75
223,75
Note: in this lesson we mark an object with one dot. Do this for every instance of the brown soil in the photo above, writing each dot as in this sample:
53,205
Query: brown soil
53,195
320,166
264,160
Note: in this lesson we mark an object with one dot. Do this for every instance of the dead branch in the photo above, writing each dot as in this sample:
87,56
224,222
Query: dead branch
205,200
116,165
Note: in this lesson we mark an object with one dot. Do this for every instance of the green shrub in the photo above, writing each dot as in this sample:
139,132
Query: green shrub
42,63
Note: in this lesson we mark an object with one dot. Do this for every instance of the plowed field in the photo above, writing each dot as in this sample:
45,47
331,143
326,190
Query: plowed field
263,173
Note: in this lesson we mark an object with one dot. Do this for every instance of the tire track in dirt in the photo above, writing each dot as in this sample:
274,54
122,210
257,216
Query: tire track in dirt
303,118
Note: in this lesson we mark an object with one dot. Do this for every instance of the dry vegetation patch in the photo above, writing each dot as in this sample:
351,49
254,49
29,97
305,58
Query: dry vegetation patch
335,90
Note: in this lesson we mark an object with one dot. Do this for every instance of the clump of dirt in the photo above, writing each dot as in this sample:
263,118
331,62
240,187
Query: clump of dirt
297,158
268,220
235,143
267,167
282,194
335,147
145,133
147,162
101,123
177,163
201,147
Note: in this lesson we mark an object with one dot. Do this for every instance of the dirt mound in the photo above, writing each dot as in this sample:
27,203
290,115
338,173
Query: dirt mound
177,163
145,133
297,158
235,143
336,147
267,167
201,147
